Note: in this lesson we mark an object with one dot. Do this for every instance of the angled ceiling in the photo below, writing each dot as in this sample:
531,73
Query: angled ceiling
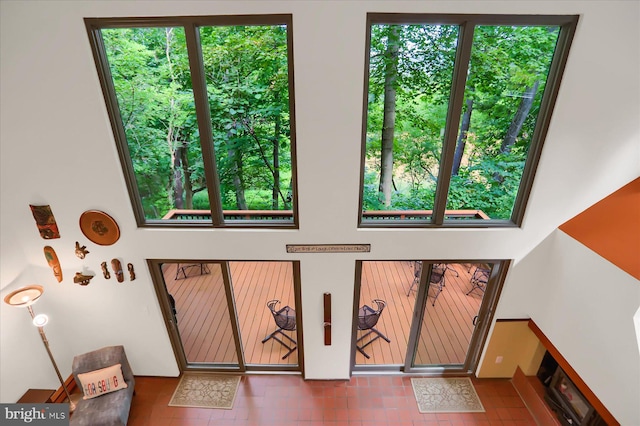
611,228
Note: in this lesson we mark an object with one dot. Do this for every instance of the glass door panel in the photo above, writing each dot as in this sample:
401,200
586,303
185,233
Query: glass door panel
453,301
201,313
389,282
255,284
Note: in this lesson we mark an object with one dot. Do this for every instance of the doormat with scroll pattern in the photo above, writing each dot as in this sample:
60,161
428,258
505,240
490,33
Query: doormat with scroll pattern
446,395
206,391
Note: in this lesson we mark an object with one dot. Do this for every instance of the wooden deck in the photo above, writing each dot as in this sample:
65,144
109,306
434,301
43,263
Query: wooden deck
204,325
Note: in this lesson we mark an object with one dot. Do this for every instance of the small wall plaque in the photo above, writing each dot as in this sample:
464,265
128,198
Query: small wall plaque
328,248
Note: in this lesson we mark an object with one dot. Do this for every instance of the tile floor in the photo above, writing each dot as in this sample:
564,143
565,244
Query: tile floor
290,400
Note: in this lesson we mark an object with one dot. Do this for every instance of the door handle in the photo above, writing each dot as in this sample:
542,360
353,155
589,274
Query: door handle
475,321
327,319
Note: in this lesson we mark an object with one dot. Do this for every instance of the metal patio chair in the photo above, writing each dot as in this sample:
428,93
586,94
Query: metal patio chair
285,319
436,281
367,319
479,279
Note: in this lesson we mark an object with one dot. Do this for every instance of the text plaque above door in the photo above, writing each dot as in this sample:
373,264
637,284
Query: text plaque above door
328,248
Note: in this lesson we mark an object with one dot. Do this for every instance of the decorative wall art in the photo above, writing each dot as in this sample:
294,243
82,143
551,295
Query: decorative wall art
45,221
54,263
117,269
99,227
105,271
82,279
81,252
132,273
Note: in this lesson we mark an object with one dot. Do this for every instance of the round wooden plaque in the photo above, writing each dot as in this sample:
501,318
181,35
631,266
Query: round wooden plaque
99,227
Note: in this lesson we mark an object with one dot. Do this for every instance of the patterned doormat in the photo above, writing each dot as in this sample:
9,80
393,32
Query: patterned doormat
446,395
205,391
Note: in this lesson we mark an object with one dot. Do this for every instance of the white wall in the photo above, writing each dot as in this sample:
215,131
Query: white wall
57,149
585,305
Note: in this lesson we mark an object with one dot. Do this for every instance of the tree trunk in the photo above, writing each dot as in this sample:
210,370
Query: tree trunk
519,118
178,201
462,137
289,197
275,193
236,171
177,188
186,173
389,118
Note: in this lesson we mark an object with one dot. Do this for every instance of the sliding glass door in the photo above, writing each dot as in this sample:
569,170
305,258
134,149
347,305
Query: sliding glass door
219,314
431,316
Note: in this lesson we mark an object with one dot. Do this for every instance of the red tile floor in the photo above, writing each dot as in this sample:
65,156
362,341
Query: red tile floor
290,400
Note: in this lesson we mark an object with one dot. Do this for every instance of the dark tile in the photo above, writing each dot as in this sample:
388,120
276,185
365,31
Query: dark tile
291,401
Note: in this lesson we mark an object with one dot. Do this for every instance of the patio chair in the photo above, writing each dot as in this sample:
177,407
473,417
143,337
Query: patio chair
417,270
452,269
367,319
436,281
285,319
479,279
204,269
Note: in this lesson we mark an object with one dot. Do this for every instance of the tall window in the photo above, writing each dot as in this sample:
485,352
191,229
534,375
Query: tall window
202,112
457,109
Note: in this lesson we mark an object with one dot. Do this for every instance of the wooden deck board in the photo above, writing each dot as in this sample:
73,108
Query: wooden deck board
205,330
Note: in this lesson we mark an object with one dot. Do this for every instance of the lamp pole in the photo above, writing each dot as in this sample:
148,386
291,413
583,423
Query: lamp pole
45,341
24,297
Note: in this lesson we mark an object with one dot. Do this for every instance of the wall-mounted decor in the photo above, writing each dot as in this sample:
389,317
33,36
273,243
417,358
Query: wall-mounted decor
99,227
81,252
82,279
45,221
117,269
54,263
132,273
105,271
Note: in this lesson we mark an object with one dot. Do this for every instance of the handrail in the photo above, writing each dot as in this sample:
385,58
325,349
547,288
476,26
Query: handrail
185,214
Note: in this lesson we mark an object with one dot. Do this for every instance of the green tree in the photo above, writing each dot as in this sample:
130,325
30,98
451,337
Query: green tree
247,85
247,77
504,84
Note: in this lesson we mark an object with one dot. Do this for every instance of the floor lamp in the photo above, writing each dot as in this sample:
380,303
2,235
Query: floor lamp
23,298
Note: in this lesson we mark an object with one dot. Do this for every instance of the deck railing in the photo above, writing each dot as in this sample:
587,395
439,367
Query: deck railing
178,214
418,215
422,214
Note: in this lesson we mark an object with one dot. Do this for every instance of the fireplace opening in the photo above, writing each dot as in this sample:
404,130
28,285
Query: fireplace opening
564,398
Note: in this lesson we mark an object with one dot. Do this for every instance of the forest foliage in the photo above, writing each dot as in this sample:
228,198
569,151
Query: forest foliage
410,79
246,72
246,75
